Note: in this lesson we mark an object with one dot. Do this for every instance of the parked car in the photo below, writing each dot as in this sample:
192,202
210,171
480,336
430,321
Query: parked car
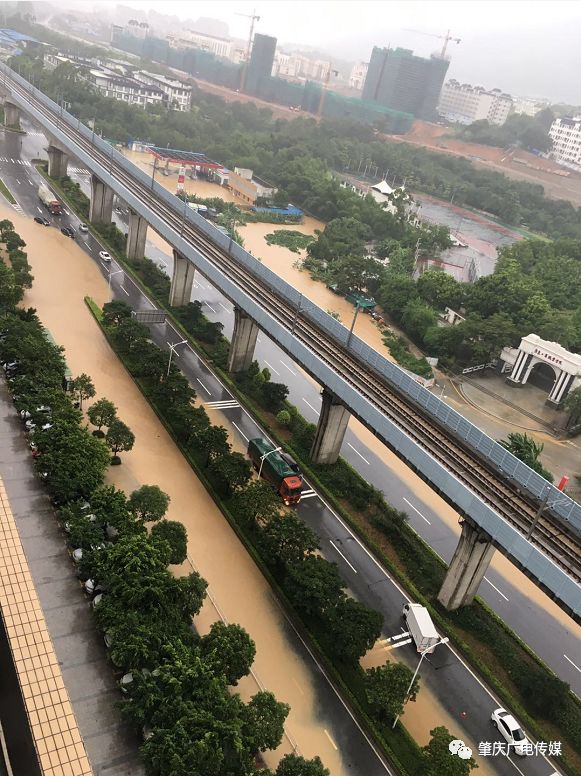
44,408
104,256
68,231
10,366
42,220
83,228
510,730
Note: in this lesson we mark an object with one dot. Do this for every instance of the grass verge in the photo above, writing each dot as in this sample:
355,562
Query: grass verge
6,192
500,657
397,745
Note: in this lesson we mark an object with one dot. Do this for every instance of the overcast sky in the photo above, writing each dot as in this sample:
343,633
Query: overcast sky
527,47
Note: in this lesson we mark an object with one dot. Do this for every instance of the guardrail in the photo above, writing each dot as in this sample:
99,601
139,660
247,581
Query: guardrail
551,577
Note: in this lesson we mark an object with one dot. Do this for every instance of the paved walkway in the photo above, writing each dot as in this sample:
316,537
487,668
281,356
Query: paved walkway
93,692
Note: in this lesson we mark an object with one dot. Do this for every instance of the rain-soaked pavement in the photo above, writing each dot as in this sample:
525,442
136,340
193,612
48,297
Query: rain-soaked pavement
421,722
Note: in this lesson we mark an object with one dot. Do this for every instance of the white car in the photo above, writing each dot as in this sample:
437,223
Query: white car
83,228
510,730
104,256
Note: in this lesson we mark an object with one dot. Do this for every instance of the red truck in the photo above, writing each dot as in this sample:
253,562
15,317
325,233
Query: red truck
277,468
49,200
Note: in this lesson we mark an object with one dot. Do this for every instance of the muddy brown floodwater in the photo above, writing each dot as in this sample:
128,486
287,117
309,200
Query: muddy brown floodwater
276,257
64,274
282,261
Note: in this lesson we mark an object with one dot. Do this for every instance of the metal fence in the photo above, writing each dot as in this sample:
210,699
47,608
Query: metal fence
507,464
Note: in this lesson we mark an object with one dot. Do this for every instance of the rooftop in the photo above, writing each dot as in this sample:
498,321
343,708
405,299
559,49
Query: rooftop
185,157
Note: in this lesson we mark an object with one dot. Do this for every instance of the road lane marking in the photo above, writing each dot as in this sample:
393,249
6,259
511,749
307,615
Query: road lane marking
204,387
223,306
333,744
497,590
311,406
292,371
240,431
334,546
417,510
572,663
125,290
309,494
272,369
223,404
18,182
298,685
39,210
375,562
358,453
210,306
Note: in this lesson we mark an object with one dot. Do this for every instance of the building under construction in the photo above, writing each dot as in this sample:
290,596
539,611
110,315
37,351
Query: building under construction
401,81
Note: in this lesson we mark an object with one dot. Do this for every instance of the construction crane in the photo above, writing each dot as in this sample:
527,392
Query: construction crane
253,19
446,38
330,72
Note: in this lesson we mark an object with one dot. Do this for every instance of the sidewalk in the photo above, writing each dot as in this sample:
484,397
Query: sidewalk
93,692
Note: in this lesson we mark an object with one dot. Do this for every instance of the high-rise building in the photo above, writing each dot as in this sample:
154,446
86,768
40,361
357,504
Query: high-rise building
566,136
398,79
261,62
464,103
358,75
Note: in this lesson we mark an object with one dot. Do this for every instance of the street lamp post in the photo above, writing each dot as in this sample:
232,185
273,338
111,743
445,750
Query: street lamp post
265,456
423,653
357,308
117,271
172,350
542,506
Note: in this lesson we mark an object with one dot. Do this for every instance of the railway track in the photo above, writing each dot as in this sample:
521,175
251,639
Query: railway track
551,535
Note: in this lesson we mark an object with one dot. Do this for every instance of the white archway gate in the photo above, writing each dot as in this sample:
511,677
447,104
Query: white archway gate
532,351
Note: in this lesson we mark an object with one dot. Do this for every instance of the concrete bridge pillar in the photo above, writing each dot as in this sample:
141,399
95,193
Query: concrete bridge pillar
136,236
57,162
11,115
243,342
101,208
467,568
331,429
180,292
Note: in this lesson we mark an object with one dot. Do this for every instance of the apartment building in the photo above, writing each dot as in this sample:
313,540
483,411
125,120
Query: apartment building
221,47
530,106
358,75
566,136
178,94
128,90
464,103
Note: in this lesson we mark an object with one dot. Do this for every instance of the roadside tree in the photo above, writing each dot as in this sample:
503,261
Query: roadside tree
439,760
355,628
175,535
102,413
386,689
119,438
314,585
83,388
263,726
115,312
528,451
230,651
288,539
74,461
294,765
148,503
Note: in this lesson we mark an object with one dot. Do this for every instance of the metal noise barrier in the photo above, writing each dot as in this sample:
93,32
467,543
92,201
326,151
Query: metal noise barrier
502,460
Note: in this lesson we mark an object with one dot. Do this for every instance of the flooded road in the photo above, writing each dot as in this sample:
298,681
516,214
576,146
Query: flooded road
276,257
503,575
63,276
